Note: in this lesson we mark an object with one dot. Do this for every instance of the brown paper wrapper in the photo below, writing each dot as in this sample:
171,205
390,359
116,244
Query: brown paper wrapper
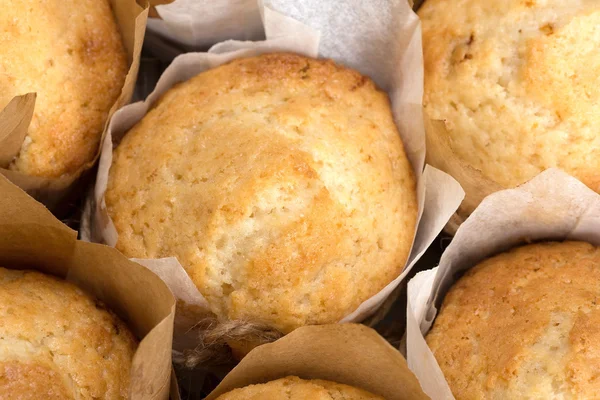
33,239
15,118
344,353
174,389
152,13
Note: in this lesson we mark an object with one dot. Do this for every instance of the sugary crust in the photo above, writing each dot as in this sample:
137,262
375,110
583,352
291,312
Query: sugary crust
517,83
293,388
70,53
279,182
523,324
56,342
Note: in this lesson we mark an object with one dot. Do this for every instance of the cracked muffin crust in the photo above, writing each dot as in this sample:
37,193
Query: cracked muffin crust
294,388
517,84
56,342
279,182
70,53
523,325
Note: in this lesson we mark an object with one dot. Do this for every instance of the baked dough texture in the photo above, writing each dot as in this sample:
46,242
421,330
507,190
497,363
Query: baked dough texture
517,83
70,53
293,388
279,182
524,325
56,342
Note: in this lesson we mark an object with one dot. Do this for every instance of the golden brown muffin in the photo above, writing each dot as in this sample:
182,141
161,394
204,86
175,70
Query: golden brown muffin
517,84
56,342
279,182
70,53
524,325
293,388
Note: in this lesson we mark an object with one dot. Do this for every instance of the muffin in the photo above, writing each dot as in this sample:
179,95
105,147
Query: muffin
70,53
56,342
279,182
299,389
523,325
516,84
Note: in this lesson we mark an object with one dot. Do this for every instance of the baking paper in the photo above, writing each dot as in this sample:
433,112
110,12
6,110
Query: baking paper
350,354
476,185
198,24
131,19
33,239
552,206
14,121
396,65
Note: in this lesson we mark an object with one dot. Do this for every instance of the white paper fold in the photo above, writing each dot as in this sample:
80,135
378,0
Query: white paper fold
439,195
552,206
201,23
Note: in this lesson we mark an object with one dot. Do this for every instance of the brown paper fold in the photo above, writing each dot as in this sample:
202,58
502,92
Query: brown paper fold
174,389
32,238
131,19
152,13
351,354
159,2
441,155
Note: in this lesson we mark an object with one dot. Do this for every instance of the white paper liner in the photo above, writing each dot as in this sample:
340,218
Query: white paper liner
201,23
552,206
438,194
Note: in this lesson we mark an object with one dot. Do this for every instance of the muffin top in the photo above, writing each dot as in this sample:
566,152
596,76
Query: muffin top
56,342
279,182
517,83
70,53
294,388
523,324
